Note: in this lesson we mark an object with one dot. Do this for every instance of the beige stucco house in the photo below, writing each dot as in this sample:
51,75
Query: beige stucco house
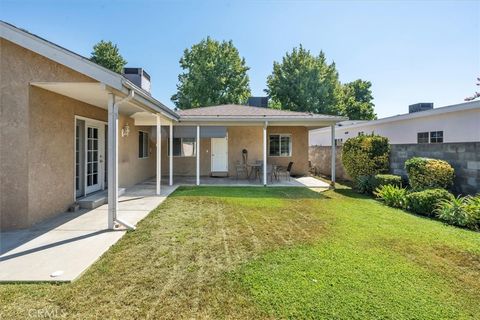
70,128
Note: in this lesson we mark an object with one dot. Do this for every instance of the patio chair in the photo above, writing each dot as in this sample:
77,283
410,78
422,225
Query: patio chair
241,169
285,171
270,172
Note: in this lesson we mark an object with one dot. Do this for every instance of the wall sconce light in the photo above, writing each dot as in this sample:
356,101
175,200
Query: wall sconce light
125,130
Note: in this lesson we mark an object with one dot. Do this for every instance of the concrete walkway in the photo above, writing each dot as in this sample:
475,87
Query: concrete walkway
62,248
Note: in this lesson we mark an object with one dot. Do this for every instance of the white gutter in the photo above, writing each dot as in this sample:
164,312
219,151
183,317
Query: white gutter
163,110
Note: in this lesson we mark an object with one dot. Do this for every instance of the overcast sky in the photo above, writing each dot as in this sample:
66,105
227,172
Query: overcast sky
411,51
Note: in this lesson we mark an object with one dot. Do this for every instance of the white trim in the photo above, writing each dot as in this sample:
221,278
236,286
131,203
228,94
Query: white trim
433,112
59,55
211,154
265,153
112,160
82,65
159,154
334,156
75,159
148,145
170,159
89,119
290,144
197,149
101,152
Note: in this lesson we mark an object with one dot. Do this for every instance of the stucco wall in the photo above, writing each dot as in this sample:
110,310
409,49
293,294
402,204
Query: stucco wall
239,138
51,151
18,164
299,149
37,140
131,168
321,158
461,126
187,166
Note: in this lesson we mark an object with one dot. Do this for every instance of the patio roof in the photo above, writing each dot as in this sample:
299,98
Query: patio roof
247,115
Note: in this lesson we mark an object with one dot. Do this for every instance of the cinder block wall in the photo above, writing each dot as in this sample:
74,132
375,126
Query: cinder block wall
464,158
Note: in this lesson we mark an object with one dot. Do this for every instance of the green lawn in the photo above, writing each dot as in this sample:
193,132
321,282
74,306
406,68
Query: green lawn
271,253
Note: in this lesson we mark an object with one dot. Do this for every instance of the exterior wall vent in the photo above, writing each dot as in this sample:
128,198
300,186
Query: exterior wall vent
139,77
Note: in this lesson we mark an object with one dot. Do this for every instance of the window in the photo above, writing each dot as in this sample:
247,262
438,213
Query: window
361,133
422,137
280,145
338,142
436,136
183,147
142,144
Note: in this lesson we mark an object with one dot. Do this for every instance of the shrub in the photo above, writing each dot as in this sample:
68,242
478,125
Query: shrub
367,184
363,184
424,173
463,212
392,196
365,156
386,179
424,202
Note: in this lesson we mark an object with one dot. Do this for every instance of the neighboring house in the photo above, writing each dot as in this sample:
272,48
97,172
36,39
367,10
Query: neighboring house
455,123
69,128
451,133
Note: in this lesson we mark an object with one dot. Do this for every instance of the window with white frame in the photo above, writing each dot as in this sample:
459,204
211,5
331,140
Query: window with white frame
338,142
422,137
142,144
436,137
183,147
280,145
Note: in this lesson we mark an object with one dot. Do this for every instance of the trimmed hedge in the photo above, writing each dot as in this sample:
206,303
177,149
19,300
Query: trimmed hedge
379,180
368,184
425,202
365,156
425,173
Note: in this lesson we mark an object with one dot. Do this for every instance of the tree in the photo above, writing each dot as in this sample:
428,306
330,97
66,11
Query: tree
304,82
213,73
357,100
475,95
107,54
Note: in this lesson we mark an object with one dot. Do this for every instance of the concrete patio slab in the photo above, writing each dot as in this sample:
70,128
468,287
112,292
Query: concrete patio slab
67,245
306,182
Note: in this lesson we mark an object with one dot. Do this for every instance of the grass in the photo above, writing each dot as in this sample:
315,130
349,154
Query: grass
271,253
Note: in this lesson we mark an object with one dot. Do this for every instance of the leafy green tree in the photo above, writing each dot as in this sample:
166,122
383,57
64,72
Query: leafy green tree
107,54
357,100
304,82
213,73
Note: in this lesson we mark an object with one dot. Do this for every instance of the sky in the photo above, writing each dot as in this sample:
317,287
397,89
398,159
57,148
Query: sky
411,51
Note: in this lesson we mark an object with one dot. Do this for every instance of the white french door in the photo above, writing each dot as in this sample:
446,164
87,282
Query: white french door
94,156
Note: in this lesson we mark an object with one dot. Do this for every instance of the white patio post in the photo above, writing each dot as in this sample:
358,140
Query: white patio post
112,160
159,153
334,149
265,153
170,159
198,155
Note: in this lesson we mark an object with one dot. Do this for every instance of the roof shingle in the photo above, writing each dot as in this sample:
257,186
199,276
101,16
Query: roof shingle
235,110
